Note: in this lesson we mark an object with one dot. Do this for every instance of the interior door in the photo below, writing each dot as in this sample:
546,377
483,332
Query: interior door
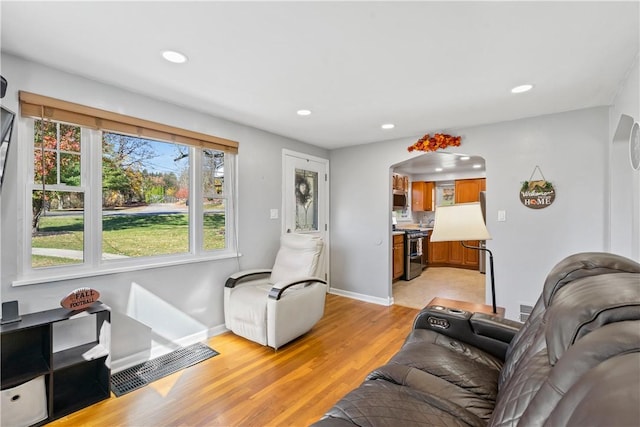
306,199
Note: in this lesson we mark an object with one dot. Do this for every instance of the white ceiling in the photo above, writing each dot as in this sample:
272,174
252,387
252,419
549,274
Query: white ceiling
424,66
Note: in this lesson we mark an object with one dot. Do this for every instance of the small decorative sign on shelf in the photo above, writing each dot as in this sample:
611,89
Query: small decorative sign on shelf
537,194
80,298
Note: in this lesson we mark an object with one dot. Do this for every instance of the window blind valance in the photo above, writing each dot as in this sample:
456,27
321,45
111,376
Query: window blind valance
38,106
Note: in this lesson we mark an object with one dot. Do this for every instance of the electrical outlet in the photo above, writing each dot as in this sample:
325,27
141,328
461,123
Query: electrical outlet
502,215
274,214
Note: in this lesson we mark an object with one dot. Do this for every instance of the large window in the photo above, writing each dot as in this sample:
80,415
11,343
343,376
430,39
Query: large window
102,198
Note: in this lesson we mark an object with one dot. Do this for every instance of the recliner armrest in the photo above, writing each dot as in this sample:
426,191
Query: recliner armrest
279,287
240,276
458,324
490,326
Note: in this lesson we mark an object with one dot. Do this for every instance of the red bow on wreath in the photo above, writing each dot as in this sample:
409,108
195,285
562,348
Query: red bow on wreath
436,142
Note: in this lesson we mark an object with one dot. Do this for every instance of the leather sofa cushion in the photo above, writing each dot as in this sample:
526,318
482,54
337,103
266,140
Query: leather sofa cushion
585,306
430,384
382,403
453,361
607,395
570,269
581,265
609,341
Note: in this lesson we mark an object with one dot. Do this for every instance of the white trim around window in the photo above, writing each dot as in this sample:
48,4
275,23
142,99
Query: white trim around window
91,185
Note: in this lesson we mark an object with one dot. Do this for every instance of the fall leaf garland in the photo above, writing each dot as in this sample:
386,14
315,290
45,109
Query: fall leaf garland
436,142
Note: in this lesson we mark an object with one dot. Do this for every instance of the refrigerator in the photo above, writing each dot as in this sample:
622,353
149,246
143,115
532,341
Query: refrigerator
483,243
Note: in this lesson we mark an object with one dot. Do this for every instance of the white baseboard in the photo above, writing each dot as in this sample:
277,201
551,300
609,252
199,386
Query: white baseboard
129,361
143,356
362,297
217,330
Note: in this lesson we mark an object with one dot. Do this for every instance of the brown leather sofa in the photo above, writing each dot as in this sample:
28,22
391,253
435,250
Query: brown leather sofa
574,362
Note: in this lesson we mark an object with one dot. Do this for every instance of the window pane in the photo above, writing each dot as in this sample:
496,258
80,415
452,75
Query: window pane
58,159
145,187
57,228
306,200
213,202
214,224
70,169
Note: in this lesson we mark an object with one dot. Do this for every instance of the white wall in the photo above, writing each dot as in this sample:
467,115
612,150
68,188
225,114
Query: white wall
195,289
570,148
624,181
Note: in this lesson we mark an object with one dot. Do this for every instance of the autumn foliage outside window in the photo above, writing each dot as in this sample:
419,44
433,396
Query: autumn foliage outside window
56,162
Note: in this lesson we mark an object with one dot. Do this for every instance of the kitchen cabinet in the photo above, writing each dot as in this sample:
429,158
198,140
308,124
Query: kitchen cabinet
398,256
468,190
400,182
452,254
438,252
422,196
456,253
35,350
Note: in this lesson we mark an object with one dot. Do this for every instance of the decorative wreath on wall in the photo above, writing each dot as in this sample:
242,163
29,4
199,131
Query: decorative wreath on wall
436,142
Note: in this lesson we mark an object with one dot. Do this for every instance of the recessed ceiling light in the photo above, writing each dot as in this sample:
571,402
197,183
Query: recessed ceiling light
438,169
477,166
522,88
388,126
173,56
465,158
303,112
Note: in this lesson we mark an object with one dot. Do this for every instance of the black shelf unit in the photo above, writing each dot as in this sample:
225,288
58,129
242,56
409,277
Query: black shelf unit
75,377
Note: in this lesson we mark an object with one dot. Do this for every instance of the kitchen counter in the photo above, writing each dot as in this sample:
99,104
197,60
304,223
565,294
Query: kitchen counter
397,232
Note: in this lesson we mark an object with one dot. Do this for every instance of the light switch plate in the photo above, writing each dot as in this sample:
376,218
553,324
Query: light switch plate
274,214
502,215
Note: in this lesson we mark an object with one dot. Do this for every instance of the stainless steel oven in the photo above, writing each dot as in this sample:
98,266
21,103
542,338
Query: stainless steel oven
414,247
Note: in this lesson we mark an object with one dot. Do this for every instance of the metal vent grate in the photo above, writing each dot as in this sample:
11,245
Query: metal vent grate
140,375
525,312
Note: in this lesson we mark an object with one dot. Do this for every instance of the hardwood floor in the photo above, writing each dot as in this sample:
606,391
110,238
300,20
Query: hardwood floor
251,385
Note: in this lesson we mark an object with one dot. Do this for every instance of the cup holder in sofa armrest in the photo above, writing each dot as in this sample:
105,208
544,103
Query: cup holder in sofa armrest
456,324
495,327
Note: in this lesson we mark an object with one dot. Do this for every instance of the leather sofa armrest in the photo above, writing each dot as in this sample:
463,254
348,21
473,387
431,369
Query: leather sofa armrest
495,327
240,276
279,287
457,324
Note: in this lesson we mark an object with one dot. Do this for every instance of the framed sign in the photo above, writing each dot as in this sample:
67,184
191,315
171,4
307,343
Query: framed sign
537,194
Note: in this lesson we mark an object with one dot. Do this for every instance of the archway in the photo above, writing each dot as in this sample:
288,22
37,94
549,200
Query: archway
446,271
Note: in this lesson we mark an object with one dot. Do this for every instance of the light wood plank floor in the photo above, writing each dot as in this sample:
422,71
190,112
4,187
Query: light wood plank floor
251,385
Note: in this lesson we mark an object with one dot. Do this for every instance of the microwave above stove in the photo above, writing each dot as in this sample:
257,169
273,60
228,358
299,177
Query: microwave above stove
400,201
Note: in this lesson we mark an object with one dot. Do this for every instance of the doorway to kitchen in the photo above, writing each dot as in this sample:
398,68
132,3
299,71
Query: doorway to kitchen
449,270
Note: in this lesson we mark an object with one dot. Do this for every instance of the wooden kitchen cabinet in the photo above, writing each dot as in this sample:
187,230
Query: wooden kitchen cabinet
422,196
456,253
400,182
468,190
398,256
437,252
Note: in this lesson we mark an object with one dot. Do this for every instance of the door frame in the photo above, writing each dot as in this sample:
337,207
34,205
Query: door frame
324,206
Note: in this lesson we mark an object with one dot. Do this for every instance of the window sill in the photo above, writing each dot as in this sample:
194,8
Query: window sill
114,267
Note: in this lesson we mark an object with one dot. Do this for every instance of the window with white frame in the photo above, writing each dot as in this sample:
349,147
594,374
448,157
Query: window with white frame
101,198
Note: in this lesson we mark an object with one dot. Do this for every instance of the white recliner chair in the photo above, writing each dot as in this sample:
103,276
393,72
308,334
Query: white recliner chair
275,306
